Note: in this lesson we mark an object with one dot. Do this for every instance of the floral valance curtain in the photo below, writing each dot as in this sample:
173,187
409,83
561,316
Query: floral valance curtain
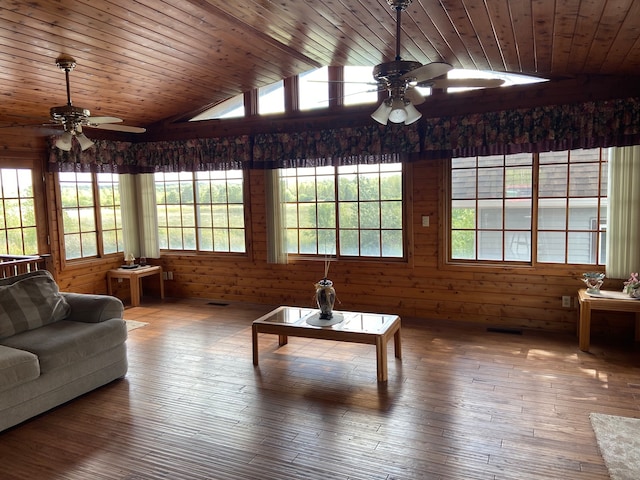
341,146
228,153
104,157
540,129
564,127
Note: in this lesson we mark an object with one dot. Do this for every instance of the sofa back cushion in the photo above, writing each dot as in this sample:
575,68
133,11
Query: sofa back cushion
30,301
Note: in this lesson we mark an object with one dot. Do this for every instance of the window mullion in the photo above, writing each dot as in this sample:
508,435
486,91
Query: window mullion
534,208
566,212
196,216
336,206
476,247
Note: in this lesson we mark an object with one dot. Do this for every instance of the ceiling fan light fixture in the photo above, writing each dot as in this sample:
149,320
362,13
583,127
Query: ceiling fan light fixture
398,113
381,115
413,115
84,141
64,141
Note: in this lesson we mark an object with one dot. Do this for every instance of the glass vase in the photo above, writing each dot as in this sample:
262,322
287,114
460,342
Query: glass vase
325,298
593,280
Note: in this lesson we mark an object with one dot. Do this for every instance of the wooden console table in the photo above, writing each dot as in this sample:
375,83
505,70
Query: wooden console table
135,275
612,301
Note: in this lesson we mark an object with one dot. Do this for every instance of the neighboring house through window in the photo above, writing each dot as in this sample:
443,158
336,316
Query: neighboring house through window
498,215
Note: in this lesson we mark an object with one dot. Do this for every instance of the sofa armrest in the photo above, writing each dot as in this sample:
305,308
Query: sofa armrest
91,308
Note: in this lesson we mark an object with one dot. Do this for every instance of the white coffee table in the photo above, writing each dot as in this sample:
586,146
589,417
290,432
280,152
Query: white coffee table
357,327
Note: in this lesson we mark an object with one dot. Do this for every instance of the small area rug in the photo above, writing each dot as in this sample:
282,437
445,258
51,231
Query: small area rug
619,442
133,324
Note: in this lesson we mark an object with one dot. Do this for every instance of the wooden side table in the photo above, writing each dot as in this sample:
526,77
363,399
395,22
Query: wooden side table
135,275
612,301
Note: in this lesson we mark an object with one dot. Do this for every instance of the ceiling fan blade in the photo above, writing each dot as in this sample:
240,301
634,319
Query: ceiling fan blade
465,82
100,120
42,128
427,72
341,81
414,96
118,128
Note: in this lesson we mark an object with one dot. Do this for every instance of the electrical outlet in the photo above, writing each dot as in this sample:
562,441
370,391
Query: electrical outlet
566,301
425,220
169,275
165,275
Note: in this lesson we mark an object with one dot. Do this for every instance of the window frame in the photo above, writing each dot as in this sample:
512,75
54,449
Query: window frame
446,260
222,254
36,205
406,230
97,214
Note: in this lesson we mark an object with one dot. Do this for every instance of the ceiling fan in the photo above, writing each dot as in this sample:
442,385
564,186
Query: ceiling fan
73,118
401,77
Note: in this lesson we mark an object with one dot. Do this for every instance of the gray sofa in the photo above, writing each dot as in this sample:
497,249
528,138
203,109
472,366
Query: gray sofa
54,346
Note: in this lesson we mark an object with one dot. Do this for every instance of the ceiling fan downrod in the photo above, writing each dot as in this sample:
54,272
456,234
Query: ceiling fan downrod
399,6
67,64
69,116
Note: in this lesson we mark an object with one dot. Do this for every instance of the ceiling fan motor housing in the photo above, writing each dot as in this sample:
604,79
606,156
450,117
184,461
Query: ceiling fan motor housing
391,70
69,116
391,75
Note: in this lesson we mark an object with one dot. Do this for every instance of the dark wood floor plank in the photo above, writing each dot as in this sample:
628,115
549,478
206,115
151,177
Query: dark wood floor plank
463,403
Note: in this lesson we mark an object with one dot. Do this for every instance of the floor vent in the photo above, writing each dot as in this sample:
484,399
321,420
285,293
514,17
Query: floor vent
218,304
510,331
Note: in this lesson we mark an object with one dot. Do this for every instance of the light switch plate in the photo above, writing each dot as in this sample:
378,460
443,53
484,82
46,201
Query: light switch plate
425,220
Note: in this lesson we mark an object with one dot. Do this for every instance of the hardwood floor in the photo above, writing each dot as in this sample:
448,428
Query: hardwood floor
464,403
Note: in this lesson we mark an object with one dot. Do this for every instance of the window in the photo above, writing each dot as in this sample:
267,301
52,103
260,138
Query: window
89,231
201,211
230,108
348,211
360,86
18,219
110,216
314,89
271,98
572,206
497,215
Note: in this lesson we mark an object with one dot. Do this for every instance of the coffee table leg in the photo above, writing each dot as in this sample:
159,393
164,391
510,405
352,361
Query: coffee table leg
254,343
381,358
282,340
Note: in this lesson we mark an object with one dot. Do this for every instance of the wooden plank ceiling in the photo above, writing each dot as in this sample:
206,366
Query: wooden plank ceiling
149,60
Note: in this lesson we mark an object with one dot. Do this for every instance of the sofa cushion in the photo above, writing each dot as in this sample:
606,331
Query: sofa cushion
65,342
22,276
17,367
31,301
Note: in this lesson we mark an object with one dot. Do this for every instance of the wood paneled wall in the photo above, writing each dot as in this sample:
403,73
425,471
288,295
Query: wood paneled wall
424,287
420,288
